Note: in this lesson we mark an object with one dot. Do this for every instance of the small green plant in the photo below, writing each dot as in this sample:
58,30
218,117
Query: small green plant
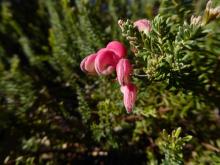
172,147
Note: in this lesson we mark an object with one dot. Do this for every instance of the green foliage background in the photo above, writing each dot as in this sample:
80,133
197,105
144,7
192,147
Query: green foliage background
52,113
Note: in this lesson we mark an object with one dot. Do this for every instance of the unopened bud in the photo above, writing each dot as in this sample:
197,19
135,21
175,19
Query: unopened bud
196,20
209,5
120,22
143,25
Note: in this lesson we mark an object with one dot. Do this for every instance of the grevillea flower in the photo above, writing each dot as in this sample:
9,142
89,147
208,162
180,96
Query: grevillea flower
105,61
118,48
88,64
130,93
143,25
123,70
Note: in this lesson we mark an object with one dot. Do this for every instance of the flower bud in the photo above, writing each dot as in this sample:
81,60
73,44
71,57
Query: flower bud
87,64
130,93
123,70
143,25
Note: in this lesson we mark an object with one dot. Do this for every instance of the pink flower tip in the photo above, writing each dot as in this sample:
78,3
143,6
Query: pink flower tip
105,61
130,93
143,25
123,71
88,64
118,47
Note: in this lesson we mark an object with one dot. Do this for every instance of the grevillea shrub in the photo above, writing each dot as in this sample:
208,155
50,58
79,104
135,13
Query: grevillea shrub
110,82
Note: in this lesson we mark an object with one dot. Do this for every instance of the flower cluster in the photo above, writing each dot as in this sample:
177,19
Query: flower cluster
106,61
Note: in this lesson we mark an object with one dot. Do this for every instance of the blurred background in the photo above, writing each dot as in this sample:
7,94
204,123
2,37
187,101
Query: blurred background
53,113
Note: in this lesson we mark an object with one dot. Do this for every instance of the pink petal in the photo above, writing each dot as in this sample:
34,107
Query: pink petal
82,64
105,61
123,70
143,25
88,64
130,93
118,48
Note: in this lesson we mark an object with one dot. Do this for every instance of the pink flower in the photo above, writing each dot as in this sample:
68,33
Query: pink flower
87,64
130,93
118,48
105,61
123,70
143,25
